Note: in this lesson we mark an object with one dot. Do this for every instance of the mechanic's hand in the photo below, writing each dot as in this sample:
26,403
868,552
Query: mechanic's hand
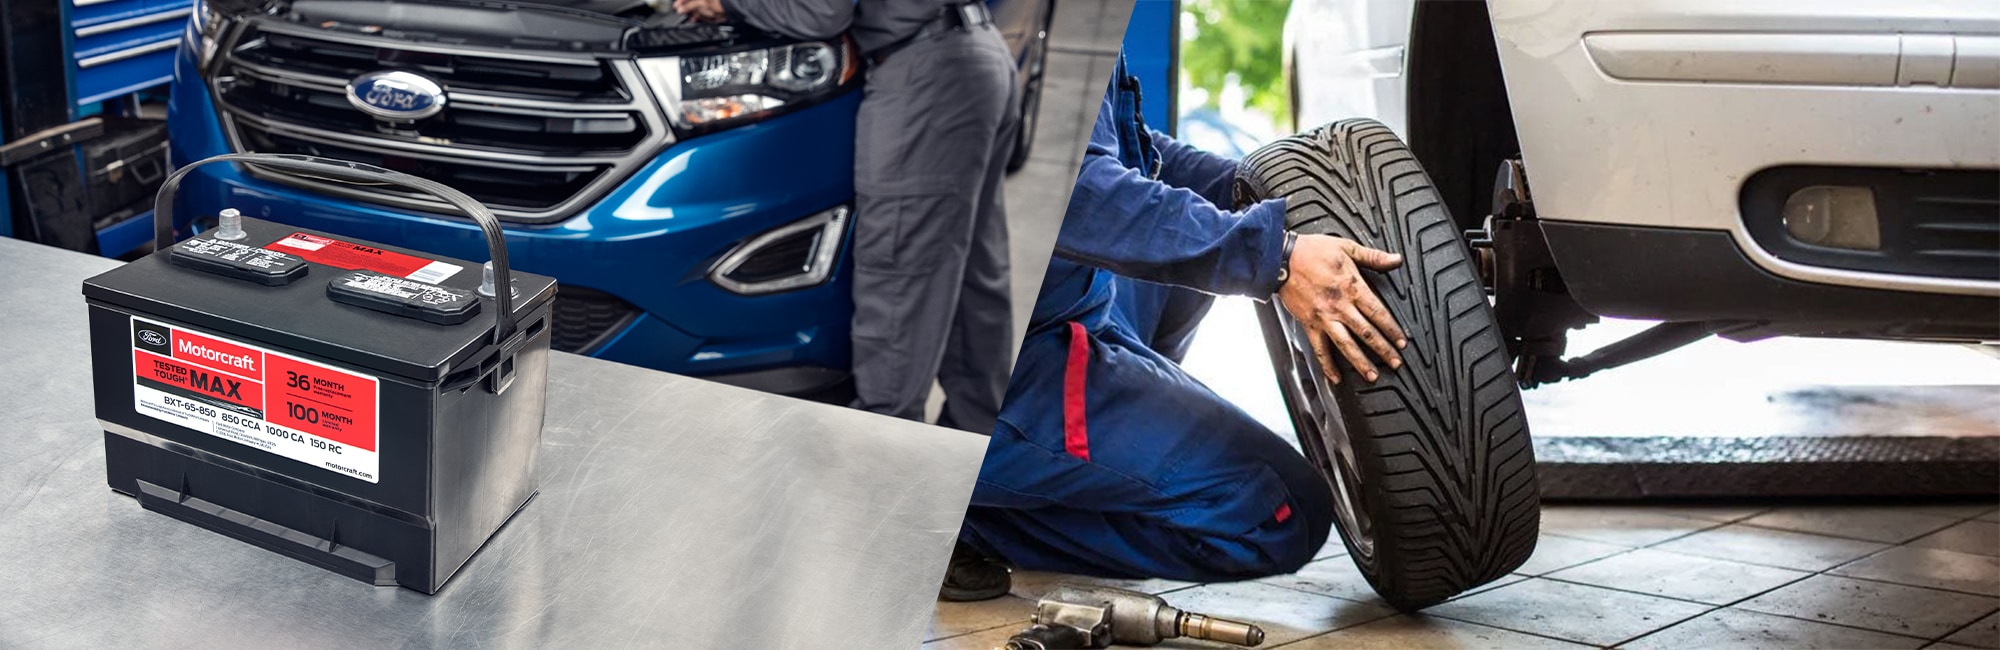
707,11
1326,294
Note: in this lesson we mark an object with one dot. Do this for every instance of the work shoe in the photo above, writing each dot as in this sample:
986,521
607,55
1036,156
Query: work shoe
973,576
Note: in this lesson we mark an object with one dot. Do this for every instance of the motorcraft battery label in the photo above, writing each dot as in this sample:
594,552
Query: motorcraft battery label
352,256
308,412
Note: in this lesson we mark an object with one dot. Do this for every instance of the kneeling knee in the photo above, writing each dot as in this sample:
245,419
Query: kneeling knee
1282,544
1295,542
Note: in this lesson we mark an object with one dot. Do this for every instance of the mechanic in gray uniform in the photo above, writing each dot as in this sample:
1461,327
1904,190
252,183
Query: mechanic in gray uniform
935,129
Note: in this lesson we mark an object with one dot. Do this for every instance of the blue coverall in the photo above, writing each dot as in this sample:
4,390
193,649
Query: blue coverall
1108,459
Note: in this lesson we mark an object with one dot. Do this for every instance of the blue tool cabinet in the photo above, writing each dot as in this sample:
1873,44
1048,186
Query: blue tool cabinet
111,53
121,47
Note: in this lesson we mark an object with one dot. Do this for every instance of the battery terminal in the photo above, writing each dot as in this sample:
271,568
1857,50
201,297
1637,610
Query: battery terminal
229,224
486,283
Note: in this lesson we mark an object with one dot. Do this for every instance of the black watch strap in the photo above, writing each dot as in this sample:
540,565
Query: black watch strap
1285,258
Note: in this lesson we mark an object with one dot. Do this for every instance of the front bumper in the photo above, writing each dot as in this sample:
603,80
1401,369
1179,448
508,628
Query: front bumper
649,242
1654,113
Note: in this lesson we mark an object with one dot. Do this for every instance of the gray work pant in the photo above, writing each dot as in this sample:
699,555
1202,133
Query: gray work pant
931,298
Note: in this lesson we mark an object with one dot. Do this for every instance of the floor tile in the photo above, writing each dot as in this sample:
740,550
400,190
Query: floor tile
1285,615
1983,634
1873,523
1339,578
1335,577
1716,512
1991,515
988,640
1726,629
1496,583
1554,553
1622,526
1953,509
1568,611
1946,645
1799,551
1980,537
1687,577
1405,631
954,619
1333,548
1880,606
1033,584
1929,567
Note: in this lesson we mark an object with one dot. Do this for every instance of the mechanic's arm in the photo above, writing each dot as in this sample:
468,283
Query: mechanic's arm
1140,228
1209,175
1143,229
802,19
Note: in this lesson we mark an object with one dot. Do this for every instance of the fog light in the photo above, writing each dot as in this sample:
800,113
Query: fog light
1834,216
793,256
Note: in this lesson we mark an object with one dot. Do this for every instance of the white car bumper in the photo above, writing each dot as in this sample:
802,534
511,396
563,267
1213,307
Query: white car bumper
1655,112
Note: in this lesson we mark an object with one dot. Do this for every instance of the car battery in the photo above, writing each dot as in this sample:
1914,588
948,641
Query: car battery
369,409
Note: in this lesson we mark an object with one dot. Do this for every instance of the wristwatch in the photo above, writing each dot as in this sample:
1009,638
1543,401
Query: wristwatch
1285,258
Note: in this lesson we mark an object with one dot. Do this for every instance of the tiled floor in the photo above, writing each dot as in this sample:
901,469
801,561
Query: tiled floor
1712,576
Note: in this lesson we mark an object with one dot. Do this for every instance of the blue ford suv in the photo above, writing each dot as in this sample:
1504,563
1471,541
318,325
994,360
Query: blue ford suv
689,184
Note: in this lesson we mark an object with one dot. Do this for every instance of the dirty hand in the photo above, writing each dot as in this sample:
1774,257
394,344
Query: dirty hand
1326,294
707,11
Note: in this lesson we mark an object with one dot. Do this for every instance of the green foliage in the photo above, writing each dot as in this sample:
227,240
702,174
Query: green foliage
1243,37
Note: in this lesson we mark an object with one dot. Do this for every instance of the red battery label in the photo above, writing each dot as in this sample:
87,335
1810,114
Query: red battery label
309,412
352,256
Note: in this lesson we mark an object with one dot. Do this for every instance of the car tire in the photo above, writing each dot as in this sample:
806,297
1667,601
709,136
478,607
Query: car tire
1031,94
1431,465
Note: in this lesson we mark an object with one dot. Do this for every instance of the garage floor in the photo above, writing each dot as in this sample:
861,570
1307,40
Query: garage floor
1690,576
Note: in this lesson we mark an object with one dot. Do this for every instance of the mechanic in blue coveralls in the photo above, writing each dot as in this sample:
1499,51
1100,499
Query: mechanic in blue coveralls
1108,458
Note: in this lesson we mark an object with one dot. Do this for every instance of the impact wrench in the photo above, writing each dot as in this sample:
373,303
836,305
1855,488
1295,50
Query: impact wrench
1073,616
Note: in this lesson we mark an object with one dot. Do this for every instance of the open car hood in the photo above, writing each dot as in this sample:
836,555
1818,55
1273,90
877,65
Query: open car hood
565,25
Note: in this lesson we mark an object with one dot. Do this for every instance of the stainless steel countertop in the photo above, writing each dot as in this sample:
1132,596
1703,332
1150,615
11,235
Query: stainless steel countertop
673,512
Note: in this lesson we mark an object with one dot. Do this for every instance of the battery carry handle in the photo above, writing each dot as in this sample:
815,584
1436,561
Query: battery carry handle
360,174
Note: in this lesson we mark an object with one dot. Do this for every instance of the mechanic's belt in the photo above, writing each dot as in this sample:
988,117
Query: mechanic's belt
963,16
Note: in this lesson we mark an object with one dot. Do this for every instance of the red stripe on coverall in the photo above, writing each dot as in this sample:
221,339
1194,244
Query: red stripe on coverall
1076,434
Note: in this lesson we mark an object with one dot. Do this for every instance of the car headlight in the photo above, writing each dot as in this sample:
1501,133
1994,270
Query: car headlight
712,91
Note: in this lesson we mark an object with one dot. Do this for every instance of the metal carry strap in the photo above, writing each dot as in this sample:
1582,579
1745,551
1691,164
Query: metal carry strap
360,174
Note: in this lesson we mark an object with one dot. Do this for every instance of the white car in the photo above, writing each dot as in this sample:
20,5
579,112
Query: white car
1739,168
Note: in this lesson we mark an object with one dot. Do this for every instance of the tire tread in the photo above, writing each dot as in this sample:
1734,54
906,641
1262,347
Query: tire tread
1443,441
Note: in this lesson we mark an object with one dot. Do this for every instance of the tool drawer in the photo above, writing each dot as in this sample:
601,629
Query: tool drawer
122,46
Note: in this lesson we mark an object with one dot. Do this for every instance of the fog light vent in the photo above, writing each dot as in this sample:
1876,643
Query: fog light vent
1834,216
794,256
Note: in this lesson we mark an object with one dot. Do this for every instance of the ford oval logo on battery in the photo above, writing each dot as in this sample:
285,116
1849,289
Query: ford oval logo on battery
152,338
396,95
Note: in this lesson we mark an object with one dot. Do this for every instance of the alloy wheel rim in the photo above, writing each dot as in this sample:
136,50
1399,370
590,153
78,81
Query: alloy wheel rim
1308,391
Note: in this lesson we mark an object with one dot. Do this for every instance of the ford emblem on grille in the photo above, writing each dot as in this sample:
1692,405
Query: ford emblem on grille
396,95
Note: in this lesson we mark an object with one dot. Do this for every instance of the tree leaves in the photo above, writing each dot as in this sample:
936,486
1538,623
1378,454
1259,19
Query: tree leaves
1243,38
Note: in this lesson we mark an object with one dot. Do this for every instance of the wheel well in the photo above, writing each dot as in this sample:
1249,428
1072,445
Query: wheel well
1459,124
